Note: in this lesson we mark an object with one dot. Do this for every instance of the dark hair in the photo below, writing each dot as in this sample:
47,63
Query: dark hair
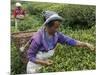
51,23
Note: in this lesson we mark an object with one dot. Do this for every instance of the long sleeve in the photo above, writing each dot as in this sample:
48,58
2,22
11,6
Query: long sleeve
32,51
63,39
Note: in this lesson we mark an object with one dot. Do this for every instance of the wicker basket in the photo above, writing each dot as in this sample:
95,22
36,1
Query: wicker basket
20,39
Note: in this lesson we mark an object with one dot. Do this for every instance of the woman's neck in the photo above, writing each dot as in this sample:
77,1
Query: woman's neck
49,32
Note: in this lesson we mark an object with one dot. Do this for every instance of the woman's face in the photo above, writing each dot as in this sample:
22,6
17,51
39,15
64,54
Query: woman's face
19,7
54,27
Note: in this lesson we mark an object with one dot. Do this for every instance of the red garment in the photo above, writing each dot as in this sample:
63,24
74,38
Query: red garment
18,11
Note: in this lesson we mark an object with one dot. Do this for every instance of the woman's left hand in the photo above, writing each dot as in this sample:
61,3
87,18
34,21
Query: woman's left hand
91,47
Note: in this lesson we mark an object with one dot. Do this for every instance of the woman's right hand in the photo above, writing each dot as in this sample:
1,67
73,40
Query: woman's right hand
48,62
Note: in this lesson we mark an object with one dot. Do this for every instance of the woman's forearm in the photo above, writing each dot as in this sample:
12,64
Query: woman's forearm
38,61
44,62
81,44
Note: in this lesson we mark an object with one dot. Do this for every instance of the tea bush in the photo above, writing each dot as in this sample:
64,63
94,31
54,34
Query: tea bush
17,66
78,16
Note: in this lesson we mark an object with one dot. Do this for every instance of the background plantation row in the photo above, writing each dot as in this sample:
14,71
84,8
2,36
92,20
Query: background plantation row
77,16
79,23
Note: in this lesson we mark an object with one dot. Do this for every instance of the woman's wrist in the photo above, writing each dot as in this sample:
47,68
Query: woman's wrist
81,44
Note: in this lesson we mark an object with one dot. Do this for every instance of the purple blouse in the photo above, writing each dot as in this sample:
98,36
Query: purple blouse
38,43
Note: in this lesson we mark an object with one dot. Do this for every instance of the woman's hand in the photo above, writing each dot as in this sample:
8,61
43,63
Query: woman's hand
91,47
20,17
82,44
48,62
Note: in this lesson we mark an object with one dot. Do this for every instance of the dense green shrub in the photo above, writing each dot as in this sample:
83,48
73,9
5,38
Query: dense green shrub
79,16
36,8
29,23
75,15
24,25
17,66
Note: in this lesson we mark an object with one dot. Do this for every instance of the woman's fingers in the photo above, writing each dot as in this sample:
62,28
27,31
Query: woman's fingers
49,62
91,47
